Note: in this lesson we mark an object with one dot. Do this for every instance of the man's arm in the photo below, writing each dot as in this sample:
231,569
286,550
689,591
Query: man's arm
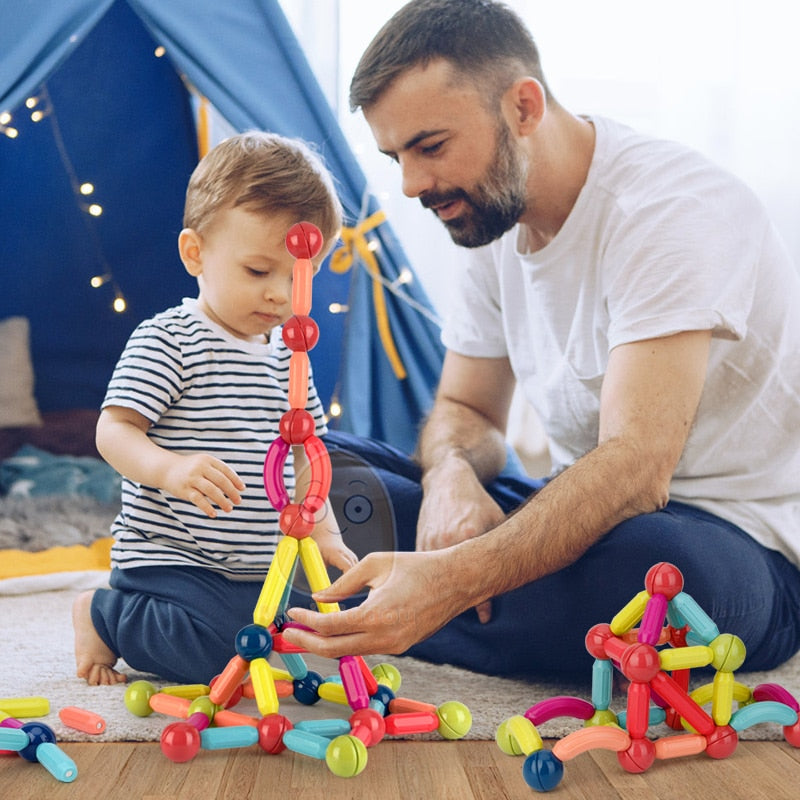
462,447
648,402
649,399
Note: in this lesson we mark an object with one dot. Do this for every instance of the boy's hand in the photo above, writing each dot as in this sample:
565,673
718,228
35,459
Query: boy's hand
335,553
204,481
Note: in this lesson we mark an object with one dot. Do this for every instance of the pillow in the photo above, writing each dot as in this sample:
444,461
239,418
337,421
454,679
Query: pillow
17,403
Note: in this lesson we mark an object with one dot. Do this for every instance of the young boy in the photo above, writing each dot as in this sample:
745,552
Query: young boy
191,410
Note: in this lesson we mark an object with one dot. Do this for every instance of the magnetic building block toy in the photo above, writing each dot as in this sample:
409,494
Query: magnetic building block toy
674,636
34,741
206,718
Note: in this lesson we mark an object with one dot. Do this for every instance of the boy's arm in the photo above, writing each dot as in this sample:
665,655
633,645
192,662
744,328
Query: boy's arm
201,479
326,532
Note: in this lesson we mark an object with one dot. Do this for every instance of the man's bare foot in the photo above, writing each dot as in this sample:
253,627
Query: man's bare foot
94,659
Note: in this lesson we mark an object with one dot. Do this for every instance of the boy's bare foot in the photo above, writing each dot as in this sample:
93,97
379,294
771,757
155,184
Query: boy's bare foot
94,659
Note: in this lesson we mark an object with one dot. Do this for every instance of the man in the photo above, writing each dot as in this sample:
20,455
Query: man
645,304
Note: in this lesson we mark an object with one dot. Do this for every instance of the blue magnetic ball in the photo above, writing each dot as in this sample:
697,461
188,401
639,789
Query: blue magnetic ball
385,695
542,770
37,732
306,690
253,641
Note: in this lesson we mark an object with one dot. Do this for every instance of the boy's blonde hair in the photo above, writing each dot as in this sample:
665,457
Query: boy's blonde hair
265,173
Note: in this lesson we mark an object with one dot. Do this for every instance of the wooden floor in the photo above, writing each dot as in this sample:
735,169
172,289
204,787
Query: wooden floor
399,769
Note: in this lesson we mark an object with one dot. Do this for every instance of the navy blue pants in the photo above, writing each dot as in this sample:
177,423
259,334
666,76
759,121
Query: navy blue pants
180,623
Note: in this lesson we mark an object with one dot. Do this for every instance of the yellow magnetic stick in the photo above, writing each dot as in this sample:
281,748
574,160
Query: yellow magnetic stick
278,575
685,657
629,614
263,686
23,707
722,697
525,734
333,692
315,571
190,690
281,674
705,693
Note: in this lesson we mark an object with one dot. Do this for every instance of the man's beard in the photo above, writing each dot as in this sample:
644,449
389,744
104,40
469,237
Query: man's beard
495,204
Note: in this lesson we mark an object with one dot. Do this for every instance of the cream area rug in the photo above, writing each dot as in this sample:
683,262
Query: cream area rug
36,659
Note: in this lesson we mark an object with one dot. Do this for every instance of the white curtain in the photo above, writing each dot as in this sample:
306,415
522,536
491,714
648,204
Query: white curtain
719,75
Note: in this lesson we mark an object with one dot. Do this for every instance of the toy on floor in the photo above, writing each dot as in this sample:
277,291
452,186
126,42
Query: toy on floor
34,741
376,711
666,615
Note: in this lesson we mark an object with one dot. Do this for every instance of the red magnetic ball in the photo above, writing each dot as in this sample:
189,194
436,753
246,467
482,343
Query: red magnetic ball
296,521
640,662
180,742
596,638
270,733
639,756
722,742
304,240
368,725
296,426
664,578
300,333
792,734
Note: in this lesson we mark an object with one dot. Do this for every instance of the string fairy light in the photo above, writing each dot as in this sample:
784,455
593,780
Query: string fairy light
40,107
5,125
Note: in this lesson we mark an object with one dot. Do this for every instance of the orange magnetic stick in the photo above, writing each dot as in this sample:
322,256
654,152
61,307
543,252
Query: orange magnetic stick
82,720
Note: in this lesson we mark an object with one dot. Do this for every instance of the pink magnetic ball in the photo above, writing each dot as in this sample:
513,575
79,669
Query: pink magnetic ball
304,240
300,333
664,578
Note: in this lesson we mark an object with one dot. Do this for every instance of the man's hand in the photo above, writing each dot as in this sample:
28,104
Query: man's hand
455,508
407,603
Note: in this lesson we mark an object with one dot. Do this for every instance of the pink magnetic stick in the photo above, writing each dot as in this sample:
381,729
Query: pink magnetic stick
776,692
355,687
653,619
274,484
559,707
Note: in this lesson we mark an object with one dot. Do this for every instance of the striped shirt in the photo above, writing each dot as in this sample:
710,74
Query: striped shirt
204,391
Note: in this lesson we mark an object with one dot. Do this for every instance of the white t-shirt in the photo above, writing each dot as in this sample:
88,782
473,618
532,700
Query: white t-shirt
204,391
659,241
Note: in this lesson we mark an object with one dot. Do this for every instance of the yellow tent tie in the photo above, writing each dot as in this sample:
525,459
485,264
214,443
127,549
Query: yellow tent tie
354,241
203,128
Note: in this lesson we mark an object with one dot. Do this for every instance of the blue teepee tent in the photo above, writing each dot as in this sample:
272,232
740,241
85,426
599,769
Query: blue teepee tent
116,114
